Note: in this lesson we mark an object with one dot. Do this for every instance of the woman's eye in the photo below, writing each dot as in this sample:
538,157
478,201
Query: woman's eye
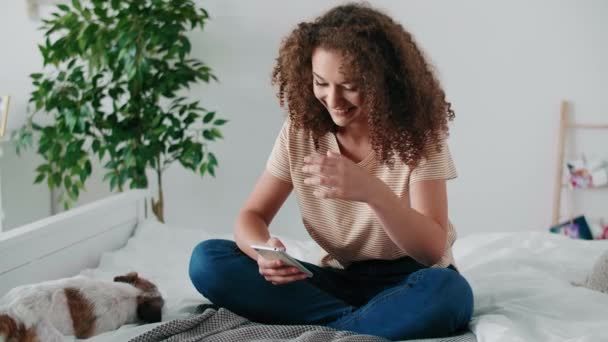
320,84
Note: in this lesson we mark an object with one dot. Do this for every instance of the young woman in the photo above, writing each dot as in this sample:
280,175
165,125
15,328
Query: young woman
364,150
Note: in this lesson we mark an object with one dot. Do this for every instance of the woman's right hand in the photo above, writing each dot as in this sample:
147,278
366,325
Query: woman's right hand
275,271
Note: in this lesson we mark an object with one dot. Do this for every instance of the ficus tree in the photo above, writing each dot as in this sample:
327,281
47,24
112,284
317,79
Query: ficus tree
115,74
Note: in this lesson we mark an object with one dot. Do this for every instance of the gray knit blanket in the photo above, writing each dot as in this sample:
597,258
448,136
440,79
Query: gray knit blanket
225,326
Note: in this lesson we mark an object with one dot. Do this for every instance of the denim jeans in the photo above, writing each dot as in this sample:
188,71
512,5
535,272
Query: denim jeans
395,299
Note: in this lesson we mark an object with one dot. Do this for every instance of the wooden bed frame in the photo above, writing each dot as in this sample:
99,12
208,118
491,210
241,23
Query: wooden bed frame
63,245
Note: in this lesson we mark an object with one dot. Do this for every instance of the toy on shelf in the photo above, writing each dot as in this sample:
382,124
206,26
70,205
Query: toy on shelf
587,173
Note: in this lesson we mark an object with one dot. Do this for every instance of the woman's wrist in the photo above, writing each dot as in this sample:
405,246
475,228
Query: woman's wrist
378,192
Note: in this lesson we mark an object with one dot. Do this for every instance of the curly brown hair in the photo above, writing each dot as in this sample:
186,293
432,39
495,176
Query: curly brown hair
406,106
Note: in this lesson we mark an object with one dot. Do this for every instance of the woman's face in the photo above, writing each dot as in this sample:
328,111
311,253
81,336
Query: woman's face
335,88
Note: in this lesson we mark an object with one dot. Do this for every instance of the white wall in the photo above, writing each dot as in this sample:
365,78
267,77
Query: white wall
22,201
505,67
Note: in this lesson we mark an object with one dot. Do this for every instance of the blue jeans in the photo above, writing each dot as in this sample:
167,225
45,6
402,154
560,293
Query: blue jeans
395,299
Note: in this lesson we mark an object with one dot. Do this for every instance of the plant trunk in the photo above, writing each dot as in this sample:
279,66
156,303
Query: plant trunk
158,205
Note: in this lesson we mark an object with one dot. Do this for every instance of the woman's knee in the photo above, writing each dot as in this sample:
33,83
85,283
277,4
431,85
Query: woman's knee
463,303
206,269
446,298
454,294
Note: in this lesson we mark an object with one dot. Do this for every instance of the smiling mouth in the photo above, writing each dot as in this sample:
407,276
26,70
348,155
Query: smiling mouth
343,111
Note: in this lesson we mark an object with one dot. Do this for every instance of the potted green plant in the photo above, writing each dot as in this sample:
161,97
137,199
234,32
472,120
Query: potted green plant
114,78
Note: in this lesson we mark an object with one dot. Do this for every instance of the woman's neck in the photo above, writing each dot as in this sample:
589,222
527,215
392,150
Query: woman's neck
356,133
354,142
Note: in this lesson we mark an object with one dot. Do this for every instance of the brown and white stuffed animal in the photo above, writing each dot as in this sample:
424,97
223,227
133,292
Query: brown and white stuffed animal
78,306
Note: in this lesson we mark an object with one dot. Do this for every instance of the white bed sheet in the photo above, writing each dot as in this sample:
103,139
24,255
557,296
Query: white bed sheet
161,253
522,287
521,281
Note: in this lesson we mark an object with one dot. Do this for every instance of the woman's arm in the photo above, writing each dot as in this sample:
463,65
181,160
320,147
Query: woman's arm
420,230
251,226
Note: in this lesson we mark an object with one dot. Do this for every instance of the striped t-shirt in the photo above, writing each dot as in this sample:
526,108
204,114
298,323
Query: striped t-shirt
347,230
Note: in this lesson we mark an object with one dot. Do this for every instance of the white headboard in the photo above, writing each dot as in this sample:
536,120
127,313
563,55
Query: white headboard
64,244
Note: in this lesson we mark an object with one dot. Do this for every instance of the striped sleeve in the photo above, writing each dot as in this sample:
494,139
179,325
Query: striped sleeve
278,161
438,165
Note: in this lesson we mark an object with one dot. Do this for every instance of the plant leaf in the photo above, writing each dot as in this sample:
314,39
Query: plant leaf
208,117
39,178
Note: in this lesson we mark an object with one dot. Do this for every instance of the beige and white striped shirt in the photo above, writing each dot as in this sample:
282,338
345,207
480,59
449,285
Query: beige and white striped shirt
347,230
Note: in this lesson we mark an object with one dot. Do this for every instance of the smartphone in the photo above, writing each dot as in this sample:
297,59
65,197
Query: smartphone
275,253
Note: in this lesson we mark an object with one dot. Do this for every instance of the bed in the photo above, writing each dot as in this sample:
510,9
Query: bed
522,281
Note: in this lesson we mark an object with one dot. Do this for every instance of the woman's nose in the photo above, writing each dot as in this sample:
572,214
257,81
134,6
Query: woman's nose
334,98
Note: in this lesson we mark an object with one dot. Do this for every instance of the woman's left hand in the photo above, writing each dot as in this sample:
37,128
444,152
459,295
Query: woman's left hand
340,177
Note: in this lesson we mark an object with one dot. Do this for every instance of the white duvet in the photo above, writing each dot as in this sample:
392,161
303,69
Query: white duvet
521,281
523,291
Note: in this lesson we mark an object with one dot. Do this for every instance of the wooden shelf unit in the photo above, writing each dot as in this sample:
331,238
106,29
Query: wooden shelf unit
566,124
